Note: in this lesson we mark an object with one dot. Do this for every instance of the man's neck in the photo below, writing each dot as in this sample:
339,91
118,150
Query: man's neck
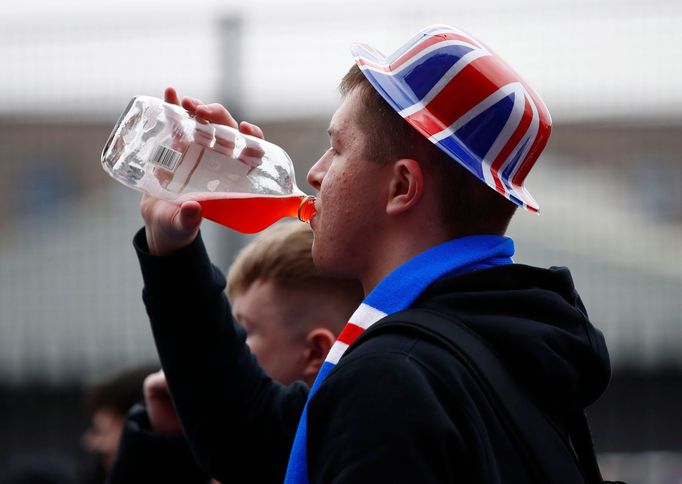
397,246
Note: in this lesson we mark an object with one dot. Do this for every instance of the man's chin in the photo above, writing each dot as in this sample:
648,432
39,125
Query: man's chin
313,221
330,266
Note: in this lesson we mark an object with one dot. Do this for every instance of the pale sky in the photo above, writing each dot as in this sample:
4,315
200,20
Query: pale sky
587,58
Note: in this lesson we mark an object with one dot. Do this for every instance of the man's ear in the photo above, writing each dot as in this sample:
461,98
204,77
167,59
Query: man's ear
318,343
406,186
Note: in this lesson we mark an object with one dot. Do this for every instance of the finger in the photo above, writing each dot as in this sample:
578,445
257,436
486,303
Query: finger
190,104
154,381
155,387
170,95
216,113
188,217
251,129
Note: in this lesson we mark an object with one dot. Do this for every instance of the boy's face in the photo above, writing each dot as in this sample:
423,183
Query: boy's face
275,334
352,194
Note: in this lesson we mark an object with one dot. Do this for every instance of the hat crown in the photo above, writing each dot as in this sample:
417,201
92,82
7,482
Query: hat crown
466,100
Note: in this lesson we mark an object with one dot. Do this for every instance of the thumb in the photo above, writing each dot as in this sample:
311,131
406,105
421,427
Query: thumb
189,217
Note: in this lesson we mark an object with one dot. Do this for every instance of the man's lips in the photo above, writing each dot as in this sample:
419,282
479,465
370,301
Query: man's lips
314,216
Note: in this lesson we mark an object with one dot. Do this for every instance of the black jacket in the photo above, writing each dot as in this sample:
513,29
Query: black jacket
397,408
148,457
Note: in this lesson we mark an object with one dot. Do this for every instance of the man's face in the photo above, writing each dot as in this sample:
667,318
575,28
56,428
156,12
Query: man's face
274,334
352,194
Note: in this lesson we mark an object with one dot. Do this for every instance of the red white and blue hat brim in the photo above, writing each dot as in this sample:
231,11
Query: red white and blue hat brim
467,101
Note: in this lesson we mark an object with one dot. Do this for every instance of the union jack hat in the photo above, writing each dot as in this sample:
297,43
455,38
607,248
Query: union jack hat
466,100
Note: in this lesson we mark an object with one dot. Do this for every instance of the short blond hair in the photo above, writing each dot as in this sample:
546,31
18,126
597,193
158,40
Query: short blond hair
282,256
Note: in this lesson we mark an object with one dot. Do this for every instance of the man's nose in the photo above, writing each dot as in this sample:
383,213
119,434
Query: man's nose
317,172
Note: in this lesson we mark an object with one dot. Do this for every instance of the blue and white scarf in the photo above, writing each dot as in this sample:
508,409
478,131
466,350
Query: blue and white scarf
396,292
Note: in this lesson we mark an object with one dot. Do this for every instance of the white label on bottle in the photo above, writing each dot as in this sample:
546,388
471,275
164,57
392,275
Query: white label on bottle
165,157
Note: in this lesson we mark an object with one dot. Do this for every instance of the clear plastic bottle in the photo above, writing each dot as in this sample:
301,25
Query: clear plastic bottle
240,181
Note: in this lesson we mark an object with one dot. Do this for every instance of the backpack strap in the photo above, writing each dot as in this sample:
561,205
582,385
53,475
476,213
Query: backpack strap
545,449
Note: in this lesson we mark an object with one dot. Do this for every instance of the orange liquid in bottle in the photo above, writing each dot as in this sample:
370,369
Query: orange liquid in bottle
252,213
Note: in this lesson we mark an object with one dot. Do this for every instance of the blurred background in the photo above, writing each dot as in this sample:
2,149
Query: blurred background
609,184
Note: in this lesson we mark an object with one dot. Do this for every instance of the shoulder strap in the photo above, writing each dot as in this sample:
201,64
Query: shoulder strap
545,449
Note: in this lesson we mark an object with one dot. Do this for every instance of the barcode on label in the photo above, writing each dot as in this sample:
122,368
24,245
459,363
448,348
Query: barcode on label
165,157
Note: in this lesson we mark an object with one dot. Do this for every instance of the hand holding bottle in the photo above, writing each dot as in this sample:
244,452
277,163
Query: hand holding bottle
169,226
